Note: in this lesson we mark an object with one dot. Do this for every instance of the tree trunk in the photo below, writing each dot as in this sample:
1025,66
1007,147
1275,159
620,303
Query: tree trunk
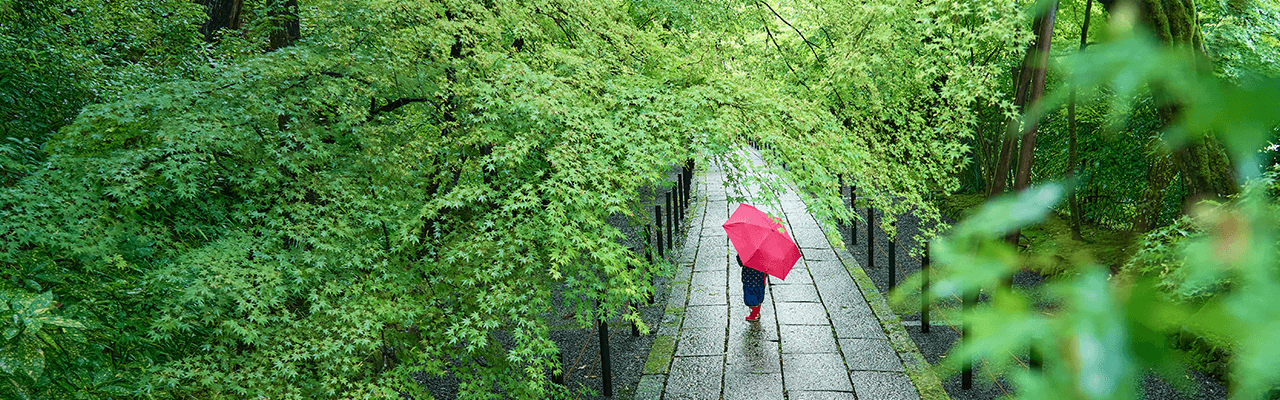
1000,174
1160,173
1043,43
1203,162
284,21
1073,154
1206,169
1204,165
1035,64
222,14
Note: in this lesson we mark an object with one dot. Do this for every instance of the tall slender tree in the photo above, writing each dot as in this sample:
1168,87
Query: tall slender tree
1044,40
1073,154
1030,90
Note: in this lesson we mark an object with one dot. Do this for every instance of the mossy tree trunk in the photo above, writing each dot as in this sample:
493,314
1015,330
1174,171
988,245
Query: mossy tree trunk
1203,164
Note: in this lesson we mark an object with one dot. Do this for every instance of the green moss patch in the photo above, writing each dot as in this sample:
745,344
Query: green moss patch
659,362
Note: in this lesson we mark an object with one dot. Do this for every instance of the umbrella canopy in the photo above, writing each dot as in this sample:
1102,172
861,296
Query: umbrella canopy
761,241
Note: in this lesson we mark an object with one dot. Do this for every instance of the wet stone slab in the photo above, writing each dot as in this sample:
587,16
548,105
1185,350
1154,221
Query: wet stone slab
838,284
826,267
748,352
823,371
802,221
710,280
870,355
824,253
798,276
801,314
746,386
795,293
820,395
840,303
711,255
883,385
810,238
807,339
700,342
650,387
713,316
717,213
708,288
695,378
857,325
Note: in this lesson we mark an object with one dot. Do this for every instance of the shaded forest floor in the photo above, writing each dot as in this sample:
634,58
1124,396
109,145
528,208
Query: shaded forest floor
1050,243
1051,251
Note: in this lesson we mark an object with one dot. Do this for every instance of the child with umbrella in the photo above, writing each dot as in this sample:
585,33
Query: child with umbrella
764,247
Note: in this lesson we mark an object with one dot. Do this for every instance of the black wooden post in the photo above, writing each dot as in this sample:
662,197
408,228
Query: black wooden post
606,372
648,258
853,225
677,197
671,226
683,202
893,258
924,291
871,238
559,378
684,193
688,177
840,193
657,222
966,372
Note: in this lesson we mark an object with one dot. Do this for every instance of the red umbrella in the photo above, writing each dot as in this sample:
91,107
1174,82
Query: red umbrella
761,241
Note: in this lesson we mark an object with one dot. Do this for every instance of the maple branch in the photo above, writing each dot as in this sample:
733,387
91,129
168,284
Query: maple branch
375,110
806,40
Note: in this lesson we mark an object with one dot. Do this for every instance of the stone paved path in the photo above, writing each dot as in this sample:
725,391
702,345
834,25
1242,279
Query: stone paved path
818,338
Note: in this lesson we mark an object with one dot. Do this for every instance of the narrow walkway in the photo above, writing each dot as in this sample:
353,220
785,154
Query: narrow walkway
818,337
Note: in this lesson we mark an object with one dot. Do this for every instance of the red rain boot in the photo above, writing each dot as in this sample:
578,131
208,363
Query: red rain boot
755,314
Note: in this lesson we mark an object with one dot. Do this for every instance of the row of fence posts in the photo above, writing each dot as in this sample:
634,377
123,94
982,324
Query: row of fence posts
968,300
676,202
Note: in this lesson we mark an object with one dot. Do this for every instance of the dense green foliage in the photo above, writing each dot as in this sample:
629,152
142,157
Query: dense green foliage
324,220
393,192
